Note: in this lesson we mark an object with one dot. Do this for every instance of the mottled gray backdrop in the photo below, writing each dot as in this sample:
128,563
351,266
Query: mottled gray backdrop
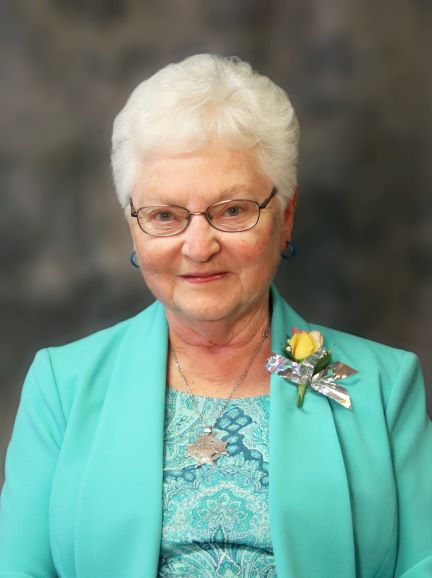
359,75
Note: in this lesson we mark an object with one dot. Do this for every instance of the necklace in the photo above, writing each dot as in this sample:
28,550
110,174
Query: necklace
208,447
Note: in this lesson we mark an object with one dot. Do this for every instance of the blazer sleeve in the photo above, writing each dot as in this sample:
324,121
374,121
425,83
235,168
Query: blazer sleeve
410,432
25,550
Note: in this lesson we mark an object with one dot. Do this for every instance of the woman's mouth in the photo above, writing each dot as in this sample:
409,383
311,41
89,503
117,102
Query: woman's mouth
203,277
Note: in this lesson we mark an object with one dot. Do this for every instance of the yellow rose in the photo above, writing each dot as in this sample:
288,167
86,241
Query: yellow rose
304,343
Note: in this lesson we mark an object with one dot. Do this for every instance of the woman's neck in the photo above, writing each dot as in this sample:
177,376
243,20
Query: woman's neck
213,355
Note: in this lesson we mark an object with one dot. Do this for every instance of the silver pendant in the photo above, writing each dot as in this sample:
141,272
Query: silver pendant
207,449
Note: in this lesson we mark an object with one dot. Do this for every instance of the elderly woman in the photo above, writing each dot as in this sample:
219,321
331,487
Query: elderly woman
205,436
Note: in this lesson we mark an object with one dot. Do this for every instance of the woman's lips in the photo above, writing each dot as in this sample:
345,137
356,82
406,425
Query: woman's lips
203,277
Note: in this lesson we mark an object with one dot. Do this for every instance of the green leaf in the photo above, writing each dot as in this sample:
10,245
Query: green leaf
323,362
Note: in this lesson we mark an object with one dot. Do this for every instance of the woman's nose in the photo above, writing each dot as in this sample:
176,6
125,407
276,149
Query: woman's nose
200,240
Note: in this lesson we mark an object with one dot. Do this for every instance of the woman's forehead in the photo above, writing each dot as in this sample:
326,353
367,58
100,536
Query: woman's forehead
214,173
212,157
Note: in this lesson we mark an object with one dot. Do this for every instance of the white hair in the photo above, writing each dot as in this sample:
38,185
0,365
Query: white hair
184,105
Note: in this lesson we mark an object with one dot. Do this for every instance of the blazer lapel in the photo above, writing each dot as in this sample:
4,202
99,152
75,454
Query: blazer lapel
310,511
119,514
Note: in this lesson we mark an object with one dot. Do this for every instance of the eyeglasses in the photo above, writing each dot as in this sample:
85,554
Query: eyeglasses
231,216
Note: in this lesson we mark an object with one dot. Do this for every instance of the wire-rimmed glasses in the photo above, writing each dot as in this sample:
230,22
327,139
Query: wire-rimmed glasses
231,216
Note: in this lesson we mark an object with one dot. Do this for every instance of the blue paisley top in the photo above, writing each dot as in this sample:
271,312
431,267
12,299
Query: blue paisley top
215,517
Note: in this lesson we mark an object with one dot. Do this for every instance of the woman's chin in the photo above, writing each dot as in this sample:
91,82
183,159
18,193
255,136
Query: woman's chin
225,306
203,312
205,307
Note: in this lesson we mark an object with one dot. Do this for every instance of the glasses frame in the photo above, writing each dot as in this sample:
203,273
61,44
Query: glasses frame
263,205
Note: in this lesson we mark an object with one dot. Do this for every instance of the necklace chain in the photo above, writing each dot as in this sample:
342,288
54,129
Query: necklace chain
240,380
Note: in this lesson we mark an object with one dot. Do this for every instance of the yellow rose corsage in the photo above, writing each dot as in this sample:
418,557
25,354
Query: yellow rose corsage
306,363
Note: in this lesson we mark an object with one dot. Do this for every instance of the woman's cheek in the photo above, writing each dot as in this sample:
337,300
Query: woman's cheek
251,250
156,257
265,251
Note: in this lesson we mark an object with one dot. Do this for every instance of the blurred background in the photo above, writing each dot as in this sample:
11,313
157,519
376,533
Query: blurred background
360,79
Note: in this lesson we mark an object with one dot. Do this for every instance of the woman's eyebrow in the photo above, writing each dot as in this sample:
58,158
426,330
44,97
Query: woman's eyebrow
155,199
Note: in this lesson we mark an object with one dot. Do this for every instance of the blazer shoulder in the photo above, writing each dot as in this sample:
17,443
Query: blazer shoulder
88,362
357,343
376,362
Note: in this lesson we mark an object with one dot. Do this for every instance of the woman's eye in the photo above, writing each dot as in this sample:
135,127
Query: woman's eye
233,211
163,216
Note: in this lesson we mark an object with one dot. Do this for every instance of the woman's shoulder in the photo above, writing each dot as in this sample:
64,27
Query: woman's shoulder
385,376
359,347
97,352
371,357
380,367
86,365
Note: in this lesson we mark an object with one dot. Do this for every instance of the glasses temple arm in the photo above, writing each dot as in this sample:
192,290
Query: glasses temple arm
132,209
267,201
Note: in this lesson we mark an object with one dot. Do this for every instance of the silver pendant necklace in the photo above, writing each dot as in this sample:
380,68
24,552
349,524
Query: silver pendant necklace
208,447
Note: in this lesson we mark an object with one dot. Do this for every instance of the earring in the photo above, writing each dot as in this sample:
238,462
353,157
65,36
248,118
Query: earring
290,250
133,260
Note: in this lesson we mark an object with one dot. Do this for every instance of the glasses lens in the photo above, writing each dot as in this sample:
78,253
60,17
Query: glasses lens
162,221
236,215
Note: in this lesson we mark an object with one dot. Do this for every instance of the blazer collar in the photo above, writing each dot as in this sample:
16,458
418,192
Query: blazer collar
119,513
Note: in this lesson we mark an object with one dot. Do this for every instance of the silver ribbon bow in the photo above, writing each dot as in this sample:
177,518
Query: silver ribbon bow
302,373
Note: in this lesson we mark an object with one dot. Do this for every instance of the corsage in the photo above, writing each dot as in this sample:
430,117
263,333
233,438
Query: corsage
307,363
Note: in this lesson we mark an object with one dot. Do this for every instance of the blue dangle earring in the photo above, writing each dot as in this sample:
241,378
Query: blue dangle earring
290,250
133,260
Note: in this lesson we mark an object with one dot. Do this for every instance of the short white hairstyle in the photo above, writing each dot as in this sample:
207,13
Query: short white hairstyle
185,105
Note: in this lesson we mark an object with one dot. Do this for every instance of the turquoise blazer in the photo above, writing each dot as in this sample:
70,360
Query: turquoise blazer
350,492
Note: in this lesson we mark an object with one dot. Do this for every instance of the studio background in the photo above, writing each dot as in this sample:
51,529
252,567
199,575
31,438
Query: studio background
360,79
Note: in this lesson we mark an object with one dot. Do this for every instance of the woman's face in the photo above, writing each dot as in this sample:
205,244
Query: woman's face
203,274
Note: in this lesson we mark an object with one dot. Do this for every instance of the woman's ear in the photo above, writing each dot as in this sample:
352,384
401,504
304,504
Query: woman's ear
132,224
289,216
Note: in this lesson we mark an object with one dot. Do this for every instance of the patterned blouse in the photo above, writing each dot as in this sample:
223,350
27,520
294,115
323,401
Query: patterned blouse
215,517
